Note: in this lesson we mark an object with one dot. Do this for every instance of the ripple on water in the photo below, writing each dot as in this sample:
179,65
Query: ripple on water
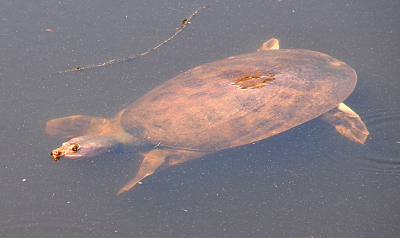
381,153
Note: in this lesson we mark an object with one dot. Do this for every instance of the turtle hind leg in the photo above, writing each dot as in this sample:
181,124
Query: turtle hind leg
75,126
160,158
347,123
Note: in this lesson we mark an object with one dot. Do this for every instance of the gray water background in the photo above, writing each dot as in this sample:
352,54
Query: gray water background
306,182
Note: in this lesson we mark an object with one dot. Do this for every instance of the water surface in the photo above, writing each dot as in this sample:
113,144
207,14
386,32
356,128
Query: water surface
306,182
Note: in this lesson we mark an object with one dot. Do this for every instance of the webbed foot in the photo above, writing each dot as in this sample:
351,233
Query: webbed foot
79,125
158,157
347,123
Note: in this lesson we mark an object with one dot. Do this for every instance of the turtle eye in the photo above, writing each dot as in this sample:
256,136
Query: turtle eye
75,147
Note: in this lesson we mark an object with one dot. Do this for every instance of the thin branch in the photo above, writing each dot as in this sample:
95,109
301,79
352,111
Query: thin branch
185,22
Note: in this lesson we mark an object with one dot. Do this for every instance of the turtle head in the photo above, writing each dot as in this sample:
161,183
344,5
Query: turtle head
83,146
93,145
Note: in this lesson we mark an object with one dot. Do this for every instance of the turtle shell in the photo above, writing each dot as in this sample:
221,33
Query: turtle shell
240,99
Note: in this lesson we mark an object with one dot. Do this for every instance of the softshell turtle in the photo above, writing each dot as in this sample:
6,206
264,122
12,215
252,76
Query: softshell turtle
219,105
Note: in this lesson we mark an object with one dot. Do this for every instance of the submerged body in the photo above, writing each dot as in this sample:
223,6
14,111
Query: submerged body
222,104
226,103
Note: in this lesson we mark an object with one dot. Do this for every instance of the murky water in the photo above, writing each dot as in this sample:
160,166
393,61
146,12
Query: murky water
306,182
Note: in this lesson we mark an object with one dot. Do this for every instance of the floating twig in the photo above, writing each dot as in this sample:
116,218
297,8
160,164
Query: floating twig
185,22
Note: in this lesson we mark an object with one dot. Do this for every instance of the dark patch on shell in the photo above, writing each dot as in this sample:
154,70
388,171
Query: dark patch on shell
249,102
217,94
198,95
161,124
160,95
254,81
193,83
229,74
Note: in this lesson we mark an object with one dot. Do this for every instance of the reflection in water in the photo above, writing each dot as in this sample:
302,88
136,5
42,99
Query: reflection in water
380,154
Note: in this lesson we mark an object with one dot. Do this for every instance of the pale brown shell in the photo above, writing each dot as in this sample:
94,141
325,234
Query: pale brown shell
240,99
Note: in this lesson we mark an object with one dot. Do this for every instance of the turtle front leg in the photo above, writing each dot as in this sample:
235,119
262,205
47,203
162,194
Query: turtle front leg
157,157
347,123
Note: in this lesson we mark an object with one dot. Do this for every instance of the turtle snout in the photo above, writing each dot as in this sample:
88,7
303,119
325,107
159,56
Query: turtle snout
66,149
56,154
